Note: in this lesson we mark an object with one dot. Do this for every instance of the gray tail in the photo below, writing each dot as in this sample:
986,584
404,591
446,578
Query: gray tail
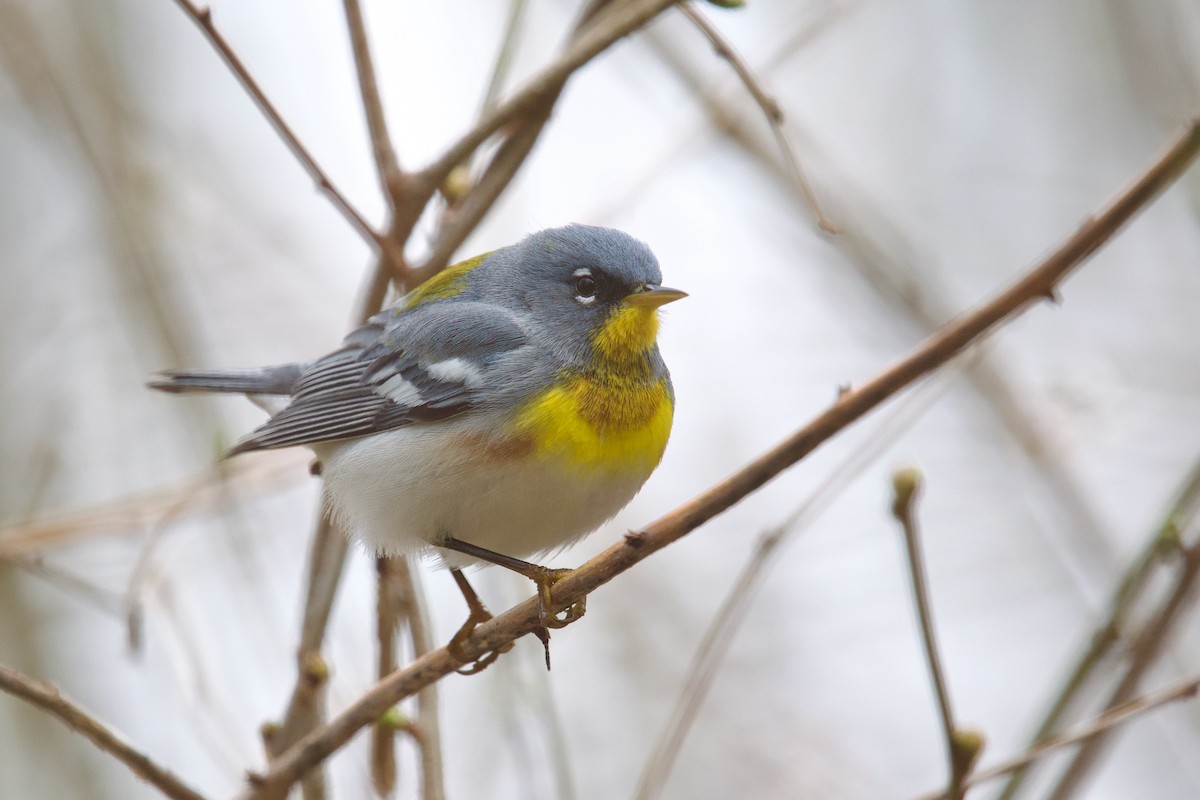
268,380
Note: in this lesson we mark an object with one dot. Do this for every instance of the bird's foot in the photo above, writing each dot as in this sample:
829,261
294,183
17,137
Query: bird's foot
545,578
477,615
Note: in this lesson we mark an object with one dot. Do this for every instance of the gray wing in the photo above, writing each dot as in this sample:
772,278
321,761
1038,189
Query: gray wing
428,363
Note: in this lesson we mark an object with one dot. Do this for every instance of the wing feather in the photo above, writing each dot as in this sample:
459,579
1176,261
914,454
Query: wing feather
428,363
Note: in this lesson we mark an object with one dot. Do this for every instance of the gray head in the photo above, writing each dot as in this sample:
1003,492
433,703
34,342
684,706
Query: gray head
578,280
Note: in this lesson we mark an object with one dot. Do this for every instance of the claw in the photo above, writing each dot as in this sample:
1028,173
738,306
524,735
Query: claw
478,614
545,578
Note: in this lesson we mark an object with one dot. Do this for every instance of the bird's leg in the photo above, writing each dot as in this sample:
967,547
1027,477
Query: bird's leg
543,577
478,614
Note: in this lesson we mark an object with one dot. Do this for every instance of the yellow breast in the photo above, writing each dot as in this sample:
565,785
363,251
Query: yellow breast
611,424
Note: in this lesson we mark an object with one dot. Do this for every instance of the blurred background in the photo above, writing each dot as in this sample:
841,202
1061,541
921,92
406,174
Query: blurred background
150,218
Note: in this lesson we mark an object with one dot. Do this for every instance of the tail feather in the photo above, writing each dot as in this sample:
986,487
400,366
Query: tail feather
268,380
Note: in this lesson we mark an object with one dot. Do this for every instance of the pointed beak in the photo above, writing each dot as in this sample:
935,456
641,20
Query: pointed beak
652,296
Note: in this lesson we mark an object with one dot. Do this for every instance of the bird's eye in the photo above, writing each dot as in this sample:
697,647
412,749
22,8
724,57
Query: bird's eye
585,286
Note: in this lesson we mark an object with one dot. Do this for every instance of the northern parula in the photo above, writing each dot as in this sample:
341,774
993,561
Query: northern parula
504,408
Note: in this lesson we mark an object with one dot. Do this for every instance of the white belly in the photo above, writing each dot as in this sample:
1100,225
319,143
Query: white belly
402,490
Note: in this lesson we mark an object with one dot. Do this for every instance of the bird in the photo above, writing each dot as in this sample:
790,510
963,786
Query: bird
498,412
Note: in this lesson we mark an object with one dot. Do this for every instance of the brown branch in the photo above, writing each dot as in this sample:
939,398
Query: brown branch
1145,651
427,725
1183,690
1161,546
459,220
157,506
388,614
391,178
594,39
962,746
306,706
202,17
49,699
770,108
1039,283
399,600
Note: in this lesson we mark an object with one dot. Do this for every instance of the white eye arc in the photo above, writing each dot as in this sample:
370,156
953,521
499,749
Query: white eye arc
585,287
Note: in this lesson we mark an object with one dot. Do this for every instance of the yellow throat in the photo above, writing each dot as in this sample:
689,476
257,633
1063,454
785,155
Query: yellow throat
614,418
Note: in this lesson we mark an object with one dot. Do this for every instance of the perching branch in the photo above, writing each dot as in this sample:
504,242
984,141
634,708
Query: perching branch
1039,283
48,698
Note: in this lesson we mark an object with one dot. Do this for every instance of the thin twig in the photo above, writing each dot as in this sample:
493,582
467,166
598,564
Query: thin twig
156,506
49,699
593,40
465,213
504,56
202,16
1039,283
388,615
770,108
428,720
906,486
1149,644
1161,545
306,706
460,220
1183,690
391,178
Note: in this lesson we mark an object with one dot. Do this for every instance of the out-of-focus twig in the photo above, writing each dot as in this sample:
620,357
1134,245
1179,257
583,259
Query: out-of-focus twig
460,218
388,617
1159,551
504,56
962,746
158,506
1039,283
1148,644
401,602
387,165
1184,690
594,38
49,699
770,108
306,707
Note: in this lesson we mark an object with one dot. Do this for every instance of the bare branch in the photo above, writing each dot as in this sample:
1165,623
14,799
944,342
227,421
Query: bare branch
49,699
594,39
306,707
158,506
429,725
388,615
962,746
202,16
391,178
1038,283
1183,690
1146,648
1163,545
770,108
